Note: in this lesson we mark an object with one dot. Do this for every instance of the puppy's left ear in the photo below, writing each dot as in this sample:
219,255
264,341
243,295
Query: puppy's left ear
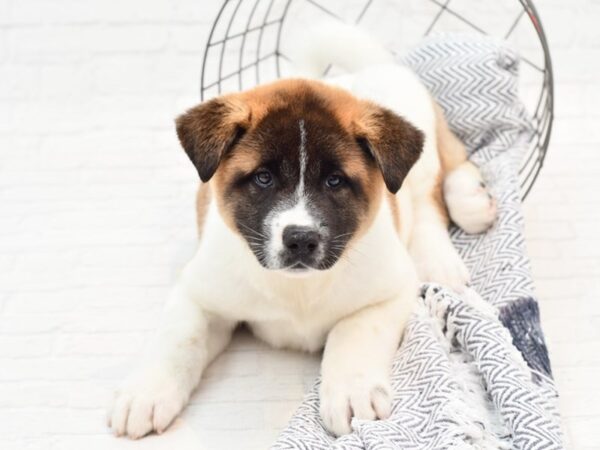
210,130
394,143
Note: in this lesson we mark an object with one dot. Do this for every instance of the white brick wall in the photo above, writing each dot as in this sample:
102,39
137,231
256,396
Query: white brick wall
96,218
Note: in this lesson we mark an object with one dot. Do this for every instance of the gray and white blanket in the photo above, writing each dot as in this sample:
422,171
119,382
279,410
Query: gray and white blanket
473,370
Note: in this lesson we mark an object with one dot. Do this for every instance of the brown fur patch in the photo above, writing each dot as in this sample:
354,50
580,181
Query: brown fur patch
452,153
281,104
394,210
232,137
438,198
203,197
209,130
451,150
395,143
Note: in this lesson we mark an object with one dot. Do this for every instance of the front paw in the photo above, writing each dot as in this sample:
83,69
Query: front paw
148,401
360,396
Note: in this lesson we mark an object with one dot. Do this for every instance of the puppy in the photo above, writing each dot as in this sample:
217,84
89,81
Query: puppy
321,209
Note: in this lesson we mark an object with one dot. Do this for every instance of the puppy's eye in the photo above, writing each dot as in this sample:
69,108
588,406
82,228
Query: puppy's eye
263,178
334,181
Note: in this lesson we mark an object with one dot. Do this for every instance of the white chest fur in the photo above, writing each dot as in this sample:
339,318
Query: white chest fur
226,279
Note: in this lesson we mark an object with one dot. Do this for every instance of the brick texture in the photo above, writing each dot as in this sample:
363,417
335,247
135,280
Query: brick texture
96,219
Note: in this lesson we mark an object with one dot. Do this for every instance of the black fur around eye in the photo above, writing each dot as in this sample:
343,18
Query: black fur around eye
334,181
263,178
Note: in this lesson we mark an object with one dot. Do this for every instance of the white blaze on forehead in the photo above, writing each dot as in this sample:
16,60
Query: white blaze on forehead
303,157
294,212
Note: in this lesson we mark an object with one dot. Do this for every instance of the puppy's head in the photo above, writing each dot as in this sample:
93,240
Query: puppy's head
298,167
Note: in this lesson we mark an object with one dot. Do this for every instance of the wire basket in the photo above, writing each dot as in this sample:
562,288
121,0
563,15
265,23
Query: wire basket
247,45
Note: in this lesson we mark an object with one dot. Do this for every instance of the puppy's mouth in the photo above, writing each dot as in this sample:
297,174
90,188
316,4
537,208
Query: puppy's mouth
297,270
299,251
297,266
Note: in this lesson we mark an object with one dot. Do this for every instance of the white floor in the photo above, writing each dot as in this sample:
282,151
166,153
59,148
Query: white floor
96,216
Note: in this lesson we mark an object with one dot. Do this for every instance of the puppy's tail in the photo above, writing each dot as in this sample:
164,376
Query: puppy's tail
335,43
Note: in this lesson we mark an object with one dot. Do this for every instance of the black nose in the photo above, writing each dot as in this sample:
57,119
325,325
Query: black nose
300,241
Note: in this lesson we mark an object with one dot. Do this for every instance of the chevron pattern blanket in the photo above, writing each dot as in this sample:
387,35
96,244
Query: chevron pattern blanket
472,370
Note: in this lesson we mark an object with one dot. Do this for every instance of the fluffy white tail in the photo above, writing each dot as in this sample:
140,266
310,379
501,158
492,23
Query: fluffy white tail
338,44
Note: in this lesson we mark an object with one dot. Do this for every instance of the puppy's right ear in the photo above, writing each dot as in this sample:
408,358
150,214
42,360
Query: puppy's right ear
210,130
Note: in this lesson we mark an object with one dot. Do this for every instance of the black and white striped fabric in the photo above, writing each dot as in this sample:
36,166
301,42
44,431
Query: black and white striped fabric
473,370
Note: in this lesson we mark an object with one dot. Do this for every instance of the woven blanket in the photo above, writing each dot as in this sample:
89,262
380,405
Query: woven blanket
472,370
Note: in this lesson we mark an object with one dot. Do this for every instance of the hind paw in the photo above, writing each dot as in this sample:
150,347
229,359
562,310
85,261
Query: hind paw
469,202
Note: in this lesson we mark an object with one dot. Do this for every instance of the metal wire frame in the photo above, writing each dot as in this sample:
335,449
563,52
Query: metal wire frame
543,113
